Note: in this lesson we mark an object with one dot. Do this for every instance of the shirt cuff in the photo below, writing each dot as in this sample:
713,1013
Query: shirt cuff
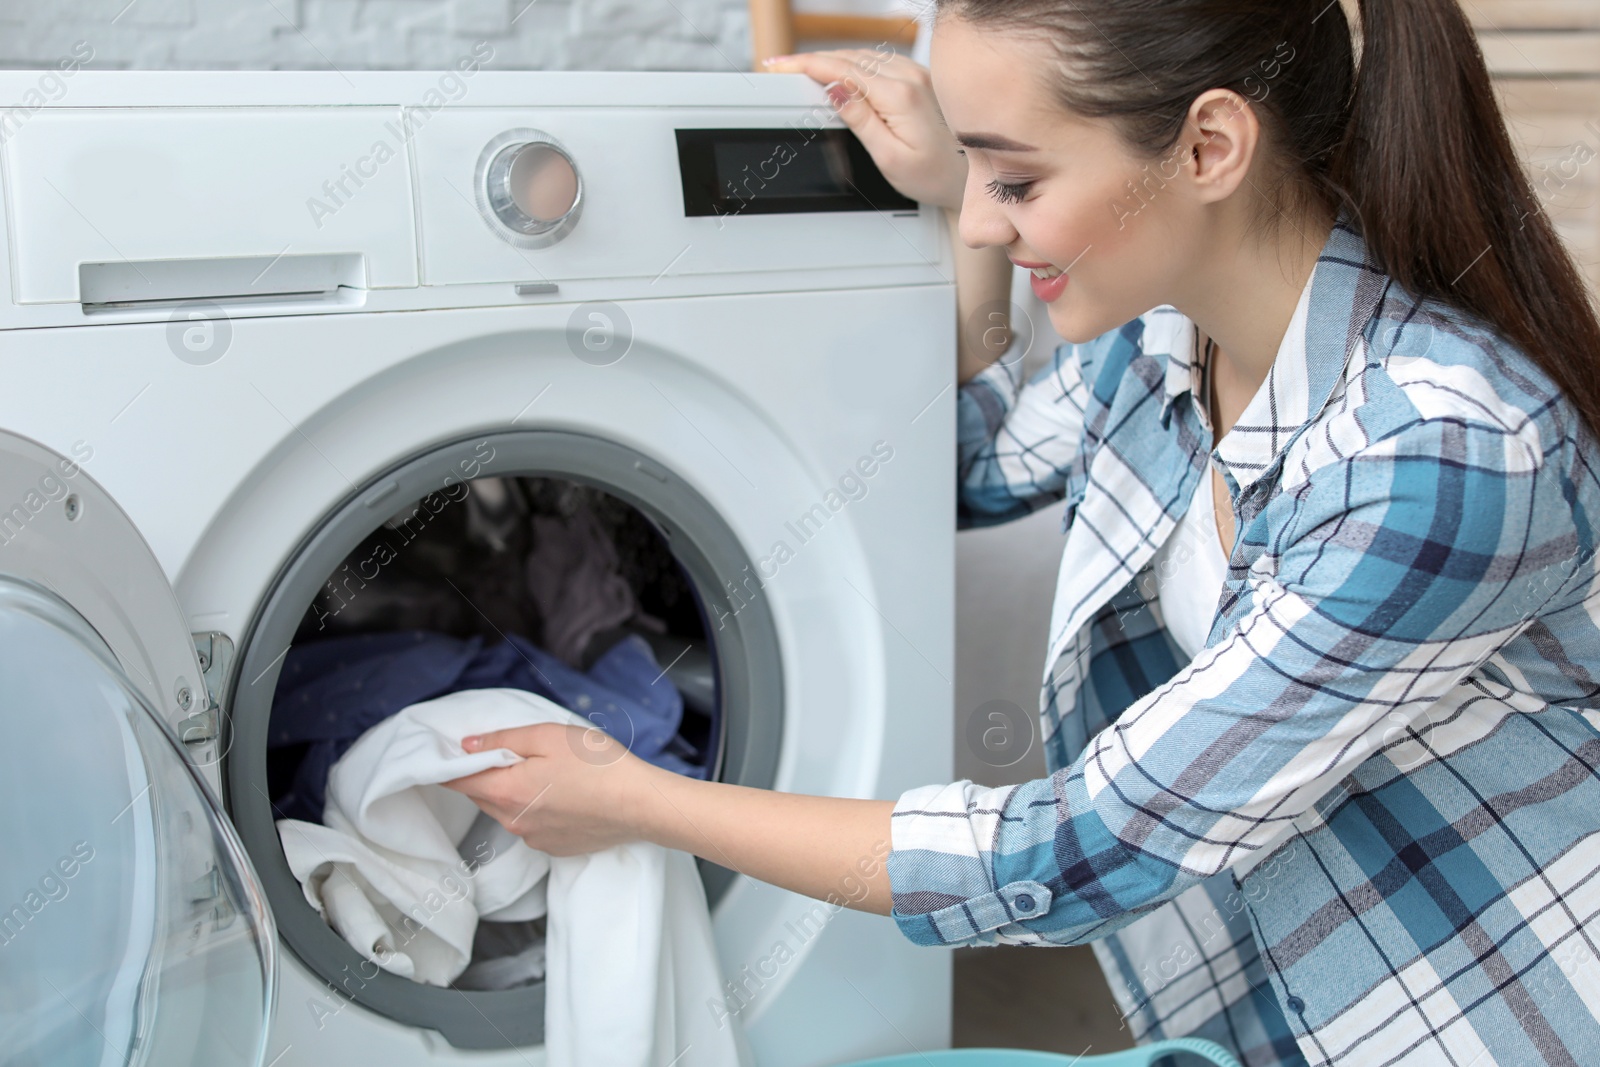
940,875
966,922
986,397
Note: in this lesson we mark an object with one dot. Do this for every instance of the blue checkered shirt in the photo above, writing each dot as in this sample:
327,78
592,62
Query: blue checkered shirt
1359,827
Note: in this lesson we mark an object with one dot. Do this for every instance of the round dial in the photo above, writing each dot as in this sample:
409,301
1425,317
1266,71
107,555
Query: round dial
529,188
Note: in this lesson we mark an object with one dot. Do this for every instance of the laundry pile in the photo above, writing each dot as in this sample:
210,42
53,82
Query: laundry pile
404,870
331,692
518,603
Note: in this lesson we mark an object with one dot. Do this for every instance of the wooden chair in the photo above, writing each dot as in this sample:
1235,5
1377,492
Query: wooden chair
775,29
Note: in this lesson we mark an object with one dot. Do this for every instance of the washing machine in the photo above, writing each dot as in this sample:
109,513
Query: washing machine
255,323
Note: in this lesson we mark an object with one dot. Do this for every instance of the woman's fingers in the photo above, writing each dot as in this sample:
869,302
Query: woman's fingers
523,740
887,100
848,84
515,798
496,792
858,112
470,785
563,799
825,67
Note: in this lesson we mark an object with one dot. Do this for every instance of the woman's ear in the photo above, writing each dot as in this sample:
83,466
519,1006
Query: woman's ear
1223,134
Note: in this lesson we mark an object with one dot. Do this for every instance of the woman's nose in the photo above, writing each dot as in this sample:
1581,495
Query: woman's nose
983,222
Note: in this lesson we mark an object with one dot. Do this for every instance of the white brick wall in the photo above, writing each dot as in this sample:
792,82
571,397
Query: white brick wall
378,34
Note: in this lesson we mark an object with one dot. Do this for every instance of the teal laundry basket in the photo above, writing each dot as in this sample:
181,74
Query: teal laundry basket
1184,1052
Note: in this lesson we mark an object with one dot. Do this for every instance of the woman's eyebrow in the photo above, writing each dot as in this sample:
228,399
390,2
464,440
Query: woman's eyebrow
992,142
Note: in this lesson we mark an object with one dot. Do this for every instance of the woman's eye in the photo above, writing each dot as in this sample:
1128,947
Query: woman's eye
1008,193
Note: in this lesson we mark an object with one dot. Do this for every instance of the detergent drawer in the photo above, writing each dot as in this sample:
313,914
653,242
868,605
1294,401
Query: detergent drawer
129,186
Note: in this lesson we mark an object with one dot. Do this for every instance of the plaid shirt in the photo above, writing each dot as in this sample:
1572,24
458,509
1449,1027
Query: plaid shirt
1360,826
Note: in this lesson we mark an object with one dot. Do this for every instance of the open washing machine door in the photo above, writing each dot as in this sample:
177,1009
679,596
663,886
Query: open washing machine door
132,927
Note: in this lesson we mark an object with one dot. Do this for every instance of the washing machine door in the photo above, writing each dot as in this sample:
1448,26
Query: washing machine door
132,928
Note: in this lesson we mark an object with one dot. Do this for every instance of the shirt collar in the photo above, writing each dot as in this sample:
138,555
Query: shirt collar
1280,407
1170,333
1324,332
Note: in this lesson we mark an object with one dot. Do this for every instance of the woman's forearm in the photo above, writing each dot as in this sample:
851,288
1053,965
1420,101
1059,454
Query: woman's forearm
828,848
983,302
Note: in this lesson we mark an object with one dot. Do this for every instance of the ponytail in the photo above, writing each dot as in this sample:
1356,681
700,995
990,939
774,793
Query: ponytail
1413,146
1427,167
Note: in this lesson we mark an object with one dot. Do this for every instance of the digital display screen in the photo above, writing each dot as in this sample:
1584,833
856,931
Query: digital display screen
780,171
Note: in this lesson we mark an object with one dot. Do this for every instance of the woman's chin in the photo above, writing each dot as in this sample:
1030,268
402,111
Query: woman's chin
1080,320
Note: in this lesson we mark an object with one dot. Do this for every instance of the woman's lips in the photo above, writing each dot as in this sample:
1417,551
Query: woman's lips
1048,289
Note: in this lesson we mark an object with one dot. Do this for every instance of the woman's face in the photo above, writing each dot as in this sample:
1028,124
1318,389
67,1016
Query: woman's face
1053,188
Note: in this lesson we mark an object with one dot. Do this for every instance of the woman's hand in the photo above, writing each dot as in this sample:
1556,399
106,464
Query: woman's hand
579,790
574,791
887,101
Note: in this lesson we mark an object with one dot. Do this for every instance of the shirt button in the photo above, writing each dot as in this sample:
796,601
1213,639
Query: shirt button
1296,1005
1024,902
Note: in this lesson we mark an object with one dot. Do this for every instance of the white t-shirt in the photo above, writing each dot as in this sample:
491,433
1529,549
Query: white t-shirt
1190,569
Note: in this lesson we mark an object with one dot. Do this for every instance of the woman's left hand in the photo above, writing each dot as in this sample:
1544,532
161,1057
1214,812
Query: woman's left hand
887,101
573,791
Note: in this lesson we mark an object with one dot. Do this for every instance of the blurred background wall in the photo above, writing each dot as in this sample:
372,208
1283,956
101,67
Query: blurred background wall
379,34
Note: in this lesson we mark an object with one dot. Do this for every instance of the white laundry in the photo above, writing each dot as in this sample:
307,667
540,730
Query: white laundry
404,869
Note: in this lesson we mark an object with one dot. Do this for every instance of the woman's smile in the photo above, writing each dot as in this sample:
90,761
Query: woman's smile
1048,281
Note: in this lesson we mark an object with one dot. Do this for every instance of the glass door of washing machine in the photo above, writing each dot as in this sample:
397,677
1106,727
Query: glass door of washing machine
132,928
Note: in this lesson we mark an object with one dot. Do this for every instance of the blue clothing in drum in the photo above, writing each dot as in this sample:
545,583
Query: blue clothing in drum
333,691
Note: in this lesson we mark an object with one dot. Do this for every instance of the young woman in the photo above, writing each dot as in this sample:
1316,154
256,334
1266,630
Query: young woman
1321,704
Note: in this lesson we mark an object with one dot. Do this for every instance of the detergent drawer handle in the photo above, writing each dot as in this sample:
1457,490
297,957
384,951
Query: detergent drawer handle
234,280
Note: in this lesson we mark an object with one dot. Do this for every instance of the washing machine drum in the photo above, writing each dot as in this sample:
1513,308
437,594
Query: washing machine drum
132,928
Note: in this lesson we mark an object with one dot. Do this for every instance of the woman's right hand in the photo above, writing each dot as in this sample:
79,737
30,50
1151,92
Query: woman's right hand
887,101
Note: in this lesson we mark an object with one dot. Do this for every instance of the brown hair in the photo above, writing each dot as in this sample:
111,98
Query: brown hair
1413,145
